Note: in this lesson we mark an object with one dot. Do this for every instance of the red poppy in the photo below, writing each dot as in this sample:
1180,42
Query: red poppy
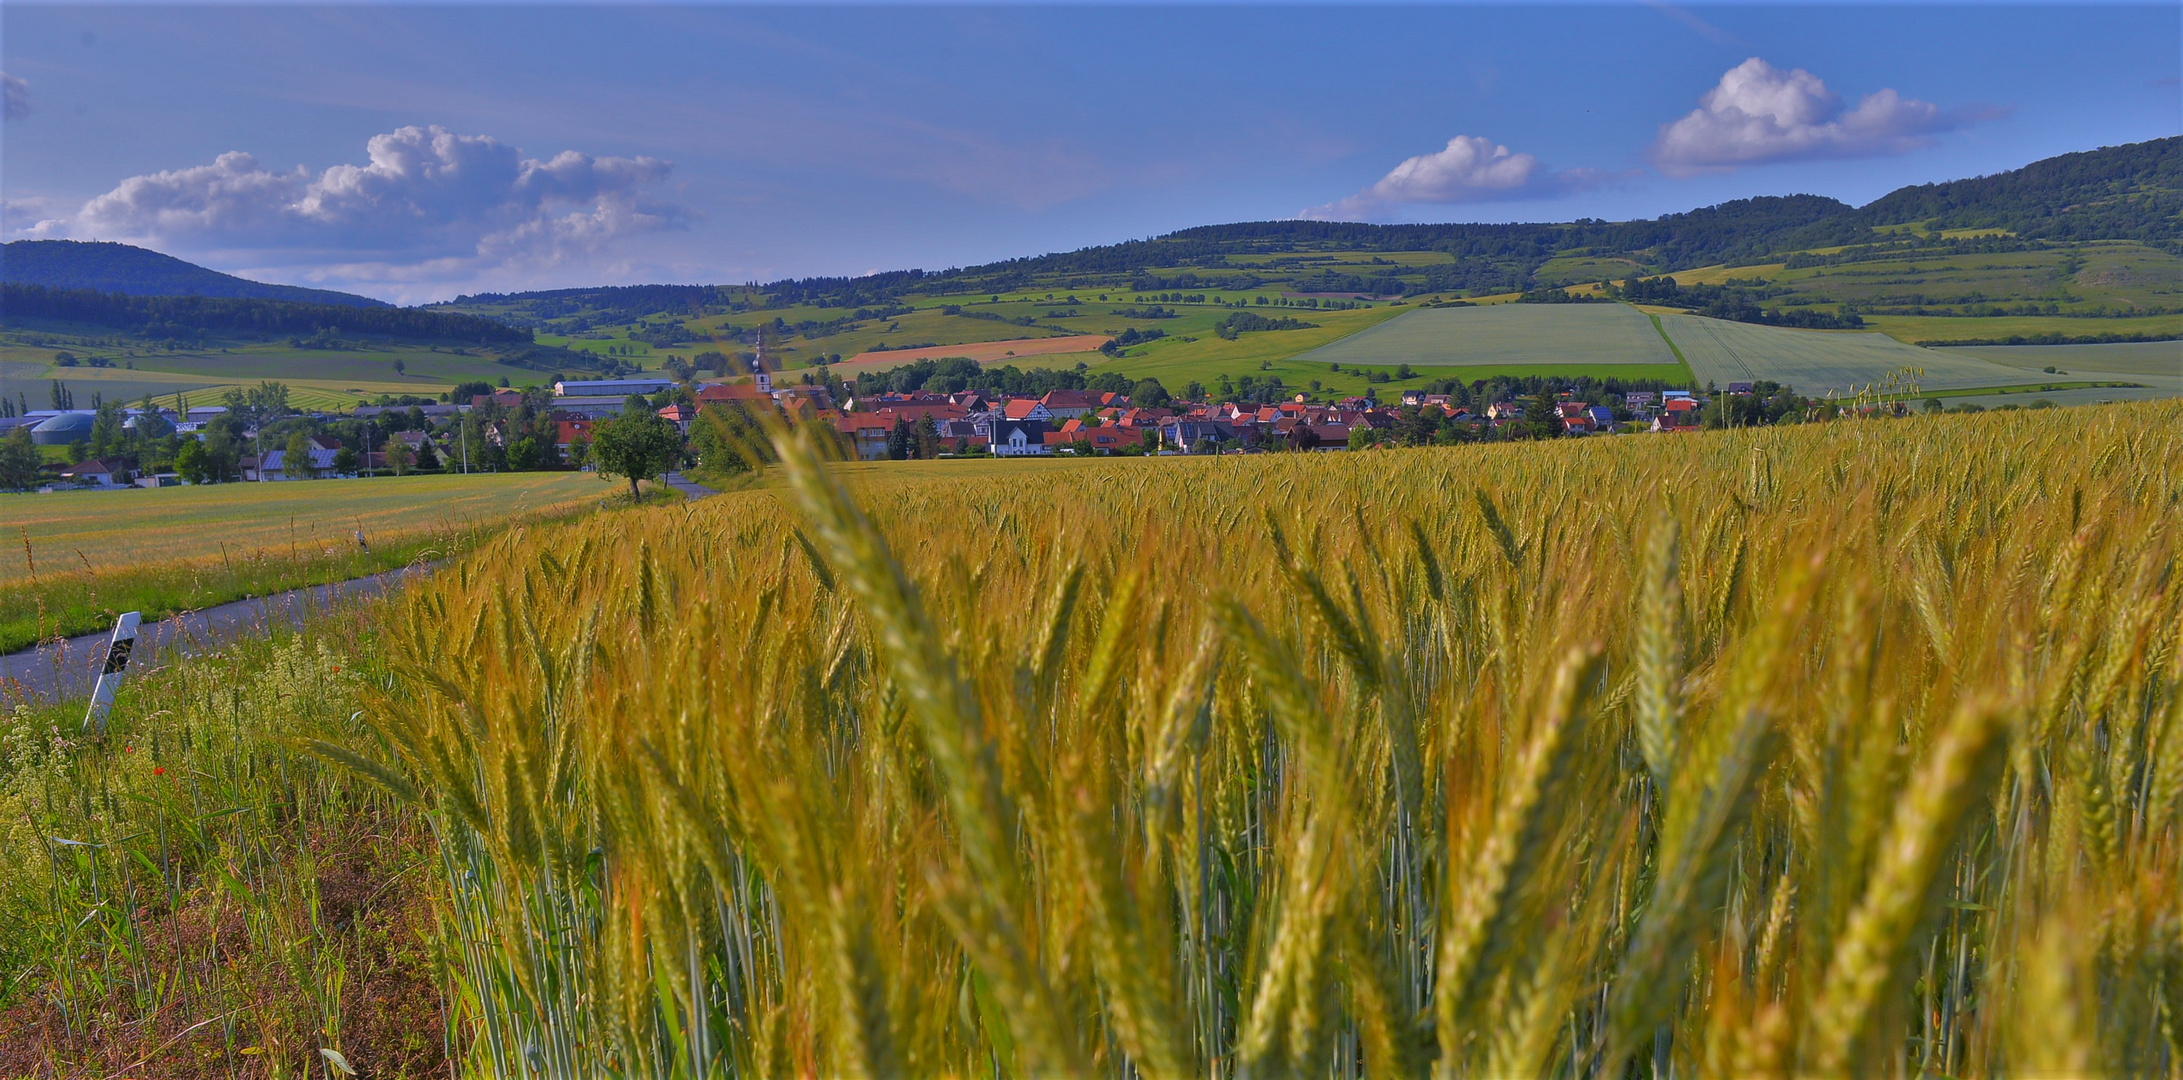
159,770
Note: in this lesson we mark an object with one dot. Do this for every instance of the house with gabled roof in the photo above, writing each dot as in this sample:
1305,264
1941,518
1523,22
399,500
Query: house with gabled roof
1068,404
1014,437
1026,409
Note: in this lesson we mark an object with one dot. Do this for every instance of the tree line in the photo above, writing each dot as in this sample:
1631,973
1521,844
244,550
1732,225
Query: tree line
162,316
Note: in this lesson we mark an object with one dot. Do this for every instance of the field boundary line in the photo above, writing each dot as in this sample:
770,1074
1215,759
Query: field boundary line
1658,327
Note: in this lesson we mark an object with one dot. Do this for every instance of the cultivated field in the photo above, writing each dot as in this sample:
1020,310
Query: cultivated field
1818,362
1504,334
71,560
2157,364
113,530
987,352
1837,749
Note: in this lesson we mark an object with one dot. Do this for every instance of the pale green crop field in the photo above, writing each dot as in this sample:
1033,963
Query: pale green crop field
2082,395
2157,364
1504,334
1817,362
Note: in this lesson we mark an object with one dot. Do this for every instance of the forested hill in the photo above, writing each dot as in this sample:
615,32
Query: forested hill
192,317
2132,192
122,268
1487,258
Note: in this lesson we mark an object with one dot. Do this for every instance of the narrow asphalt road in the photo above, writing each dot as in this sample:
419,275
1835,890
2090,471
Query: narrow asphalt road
67,670
688,488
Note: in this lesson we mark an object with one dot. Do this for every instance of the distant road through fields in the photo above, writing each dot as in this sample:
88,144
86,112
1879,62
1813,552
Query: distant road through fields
689,488
66,670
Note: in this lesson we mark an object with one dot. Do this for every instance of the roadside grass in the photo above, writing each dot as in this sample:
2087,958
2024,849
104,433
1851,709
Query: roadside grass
194,895
76,559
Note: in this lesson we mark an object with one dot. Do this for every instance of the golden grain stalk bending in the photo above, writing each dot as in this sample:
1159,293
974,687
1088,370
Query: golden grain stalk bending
1519,760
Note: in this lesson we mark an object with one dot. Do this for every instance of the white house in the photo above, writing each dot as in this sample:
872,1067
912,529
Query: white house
1019,438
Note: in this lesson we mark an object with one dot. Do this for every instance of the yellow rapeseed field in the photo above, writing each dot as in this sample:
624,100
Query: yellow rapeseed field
1851,748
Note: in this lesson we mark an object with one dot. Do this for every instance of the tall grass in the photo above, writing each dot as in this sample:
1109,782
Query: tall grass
1840,749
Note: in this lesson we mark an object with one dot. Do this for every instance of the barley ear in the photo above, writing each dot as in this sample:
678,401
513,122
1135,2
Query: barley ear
1478,896
1660,653
1693,876
1929,818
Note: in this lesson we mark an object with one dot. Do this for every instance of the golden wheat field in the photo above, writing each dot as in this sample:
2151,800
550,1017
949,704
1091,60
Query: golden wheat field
1852,748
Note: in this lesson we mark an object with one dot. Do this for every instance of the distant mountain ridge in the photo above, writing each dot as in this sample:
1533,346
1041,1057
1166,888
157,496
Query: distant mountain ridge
135,271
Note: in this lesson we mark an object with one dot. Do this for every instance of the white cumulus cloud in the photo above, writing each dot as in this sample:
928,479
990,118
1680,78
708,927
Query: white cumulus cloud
426,202
1468,169
1760,113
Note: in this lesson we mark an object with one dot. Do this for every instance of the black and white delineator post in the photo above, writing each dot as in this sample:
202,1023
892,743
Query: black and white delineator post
117,658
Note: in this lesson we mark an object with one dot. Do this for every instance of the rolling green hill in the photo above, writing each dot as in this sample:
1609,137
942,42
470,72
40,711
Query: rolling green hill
121,268
2081,248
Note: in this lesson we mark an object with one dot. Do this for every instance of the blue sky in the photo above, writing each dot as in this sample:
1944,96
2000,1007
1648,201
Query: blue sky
413,152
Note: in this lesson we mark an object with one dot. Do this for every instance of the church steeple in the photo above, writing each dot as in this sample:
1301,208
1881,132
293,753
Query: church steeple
758,366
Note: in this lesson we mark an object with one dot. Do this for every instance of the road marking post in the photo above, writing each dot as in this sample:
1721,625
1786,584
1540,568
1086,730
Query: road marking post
117,659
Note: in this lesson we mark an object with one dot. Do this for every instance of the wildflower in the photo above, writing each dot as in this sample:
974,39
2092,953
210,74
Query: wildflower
159,770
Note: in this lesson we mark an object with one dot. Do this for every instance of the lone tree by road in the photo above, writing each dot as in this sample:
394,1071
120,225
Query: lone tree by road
637,444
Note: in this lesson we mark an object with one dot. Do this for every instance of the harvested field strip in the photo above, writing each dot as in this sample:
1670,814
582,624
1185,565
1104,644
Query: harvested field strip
1504,334
984,352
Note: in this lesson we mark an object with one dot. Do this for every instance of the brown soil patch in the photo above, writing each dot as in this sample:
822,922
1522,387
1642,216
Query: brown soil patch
247,1013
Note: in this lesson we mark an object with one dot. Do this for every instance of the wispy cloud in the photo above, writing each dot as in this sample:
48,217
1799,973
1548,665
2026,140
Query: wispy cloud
427,203
1468,169
1689,18
1759,113
16,94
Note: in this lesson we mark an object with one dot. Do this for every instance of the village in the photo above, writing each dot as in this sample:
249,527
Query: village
531,428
